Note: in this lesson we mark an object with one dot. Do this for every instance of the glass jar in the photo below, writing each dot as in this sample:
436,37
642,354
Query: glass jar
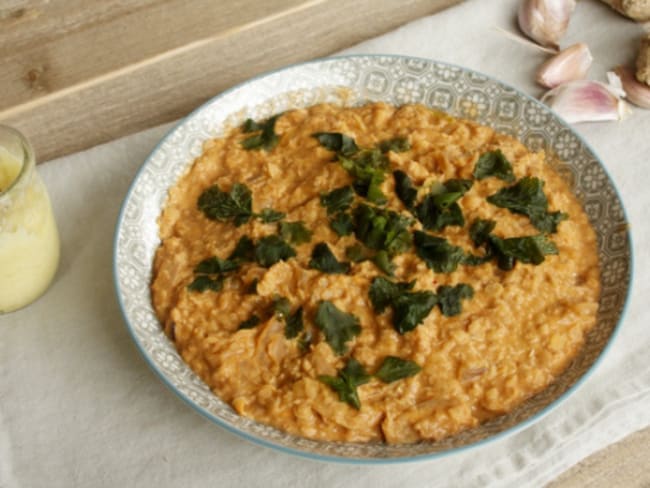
29,240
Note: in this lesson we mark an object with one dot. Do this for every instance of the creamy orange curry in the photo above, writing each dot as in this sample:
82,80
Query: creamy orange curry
374,273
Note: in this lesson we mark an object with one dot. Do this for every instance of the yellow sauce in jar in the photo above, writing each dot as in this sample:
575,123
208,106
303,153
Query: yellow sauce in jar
9,169
29,240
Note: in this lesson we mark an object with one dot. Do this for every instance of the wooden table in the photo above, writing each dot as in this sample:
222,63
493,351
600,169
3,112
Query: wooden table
76,73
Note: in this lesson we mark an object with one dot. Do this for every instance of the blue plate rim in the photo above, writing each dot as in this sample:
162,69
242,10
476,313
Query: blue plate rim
533,419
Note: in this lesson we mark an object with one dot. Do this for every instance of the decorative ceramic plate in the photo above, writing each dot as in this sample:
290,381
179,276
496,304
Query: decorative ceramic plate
351,81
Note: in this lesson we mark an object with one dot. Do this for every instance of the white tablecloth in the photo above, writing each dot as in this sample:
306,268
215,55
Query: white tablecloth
79,406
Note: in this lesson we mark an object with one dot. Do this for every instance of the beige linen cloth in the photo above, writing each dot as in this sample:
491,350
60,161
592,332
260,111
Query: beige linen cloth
80,408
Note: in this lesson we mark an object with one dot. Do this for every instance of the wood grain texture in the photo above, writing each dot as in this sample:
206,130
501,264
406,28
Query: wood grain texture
133,37
107,70
625,464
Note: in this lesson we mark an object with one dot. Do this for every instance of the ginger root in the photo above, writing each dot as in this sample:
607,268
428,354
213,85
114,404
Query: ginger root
643,62
634,9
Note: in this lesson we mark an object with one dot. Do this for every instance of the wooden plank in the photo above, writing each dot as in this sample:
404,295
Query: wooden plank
82,84
47,67
28,23
622,464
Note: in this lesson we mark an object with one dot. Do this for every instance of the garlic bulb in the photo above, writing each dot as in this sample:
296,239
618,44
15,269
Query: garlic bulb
545,21
587,101
637,93
570,64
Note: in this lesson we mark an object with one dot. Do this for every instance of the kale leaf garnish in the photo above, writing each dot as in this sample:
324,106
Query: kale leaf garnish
494,163
338,327
346,382
527,197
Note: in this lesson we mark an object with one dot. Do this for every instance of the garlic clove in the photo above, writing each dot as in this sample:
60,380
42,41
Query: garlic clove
570,64
587,101
545,21
637,93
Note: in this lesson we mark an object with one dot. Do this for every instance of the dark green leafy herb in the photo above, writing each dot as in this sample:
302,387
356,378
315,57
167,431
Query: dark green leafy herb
339,143
249,323
437,253
371,158
527,197
371,189
546,222
210,274
342,224
439,208
405,189
203,282
271,249
294,324
494,163
295,232
236,205
219,205
473,260
411,308
338,327
449,298
443,201
258,141
266,138
383,262
524,197
282,307
396,144
347,381
368,168
459,185
244,250
549,221
384,292
337,200
529,249
324,260
436,218
394,368
269,215
214,265
251,126
357,253
480,231
381,229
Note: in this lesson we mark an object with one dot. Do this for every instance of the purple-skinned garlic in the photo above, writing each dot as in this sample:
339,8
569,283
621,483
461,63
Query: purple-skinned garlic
569,64
636,92
587,101
545,21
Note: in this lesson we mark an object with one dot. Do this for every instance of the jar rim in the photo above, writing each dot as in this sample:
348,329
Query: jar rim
27,160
